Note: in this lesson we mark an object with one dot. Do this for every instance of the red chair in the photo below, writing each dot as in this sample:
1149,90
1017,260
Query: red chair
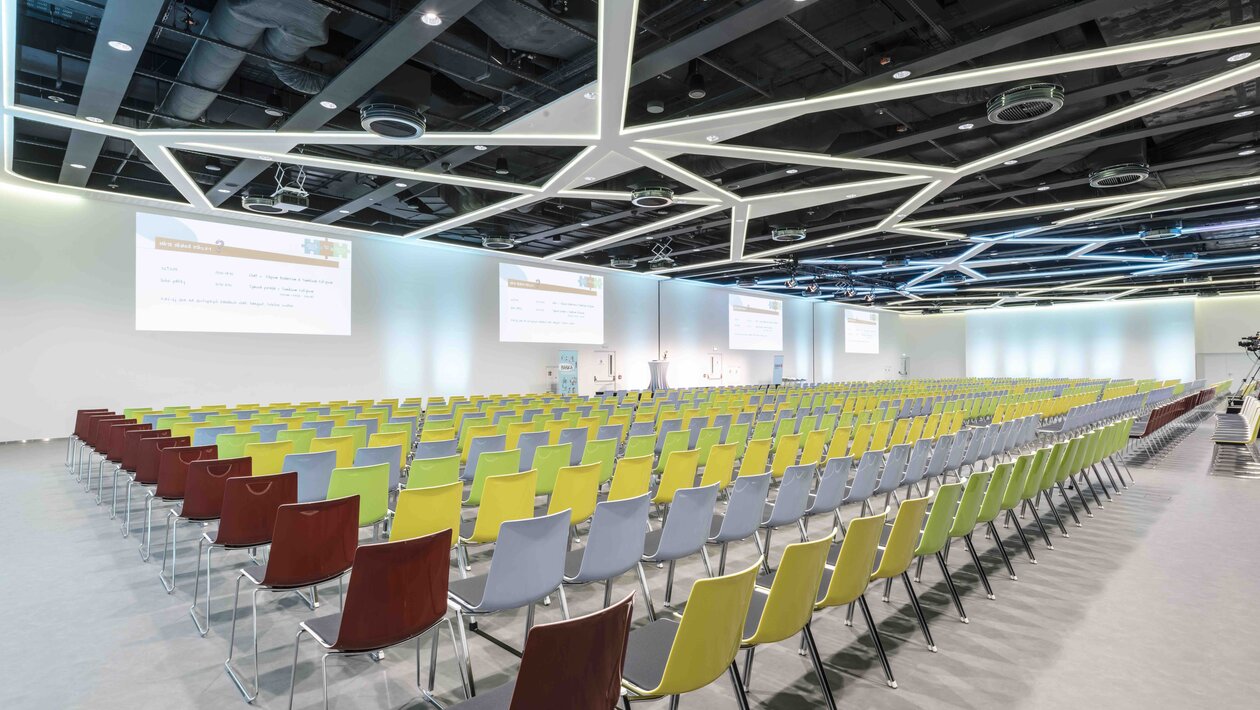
146,473
313,543
567,665
203,501
397,593
172,475
247,519
76,437
132,444
95,429
115,443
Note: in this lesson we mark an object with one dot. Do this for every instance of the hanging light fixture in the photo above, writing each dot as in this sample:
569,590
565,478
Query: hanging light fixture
695,82
501,166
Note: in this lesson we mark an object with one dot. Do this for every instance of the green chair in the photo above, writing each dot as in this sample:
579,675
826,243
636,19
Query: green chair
1027,492
548,460
371,484
935,535
604,453
232,446
640,445
428,473
301,439
491,463
358,432
965,522
991,508
737,435
674,441
705,440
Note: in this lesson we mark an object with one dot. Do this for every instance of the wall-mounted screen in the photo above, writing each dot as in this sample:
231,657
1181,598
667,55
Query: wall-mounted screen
538,305
195,275
861,332
754,323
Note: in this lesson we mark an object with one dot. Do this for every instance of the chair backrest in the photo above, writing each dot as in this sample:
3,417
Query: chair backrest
789,504
528,561
173,465
206,435
131,444
268,432
424,511
576,437
248,518
490,464
268,457
392,438
604,453
745,509
687,526
479,446
854,561
679,472
369,483
548,460
709,632
436,450
577,491
916,465
301,438
969,504
829,494
506,497
812,446
640,445
313,542
940,456
609,431
313,472
1019,478
756,458
232,446
720,468
615,541
372,455
673,441
785,452
894,469
575,663
899,550
342,445
790,602
207,479
939,520
995,492
632,478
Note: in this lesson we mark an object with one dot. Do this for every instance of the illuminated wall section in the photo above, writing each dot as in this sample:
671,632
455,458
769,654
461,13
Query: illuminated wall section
1151,338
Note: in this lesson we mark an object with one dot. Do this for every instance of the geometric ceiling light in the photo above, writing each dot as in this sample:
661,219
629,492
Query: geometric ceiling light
1025,103
787,234
652,197
498,243
1119,175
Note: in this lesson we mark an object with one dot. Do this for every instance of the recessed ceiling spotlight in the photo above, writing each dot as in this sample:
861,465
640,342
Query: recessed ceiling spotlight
656,106
850,196
78,166
93,119
966,126
344,211
55,98
1068,209
713,139
480,147
1245,152
901,74
589,178
1251,207
400,184
431,19
214,165
1244,113
1238,57
586,224
590,95
262,157
1012,161
1042,188
328,105
223,190
119,45
792,171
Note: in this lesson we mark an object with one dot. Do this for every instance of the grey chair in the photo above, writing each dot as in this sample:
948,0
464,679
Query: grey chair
371,455
864,480
693,430
640,428
788,507
584,410
609,431
268,431
939,459
614,544
743,514
323,429
529,414
685,532
963,441
893,471
744,418
916,465
663,431
411,421
829,494
436,449
324,411
527,566
576,437
314,471
528,443
370,422
479,446
205,436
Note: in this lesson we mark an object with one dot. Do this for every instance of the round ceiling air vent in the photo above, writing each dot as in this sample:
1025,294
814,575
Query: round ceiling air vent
1119,175
261,205
621,262
954,278
652,197
661,262
893,262
787,234
1025,103
499,243
392,121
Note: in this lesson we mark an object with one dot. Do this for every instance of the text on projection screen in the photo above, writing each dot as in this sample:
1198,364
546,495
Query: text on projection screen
861,332
194,275
754,323
539,305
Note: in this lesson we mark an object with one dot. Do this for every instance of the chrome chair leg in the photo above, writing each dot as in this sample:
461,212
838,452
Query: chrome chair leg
470,688
192,610
819,669
953,591
169,541
879,644
918,610
647,594
975,559
250,696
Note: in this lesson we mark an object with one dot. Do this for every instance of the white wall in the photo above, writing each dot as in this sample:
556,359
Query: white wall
936,345
1147,338
833,364
1218,324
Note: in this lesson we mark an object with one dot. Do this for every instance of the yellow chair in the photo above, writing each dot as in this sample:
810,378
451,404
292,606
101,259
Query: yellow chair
268,457
702,642
679,473
577,490
358,432
343,445
632,477
812,448
756,458
784,609
785,454
861,441
899,553
721,466
392,438
424,511
437,433
514,431
506,497
839,445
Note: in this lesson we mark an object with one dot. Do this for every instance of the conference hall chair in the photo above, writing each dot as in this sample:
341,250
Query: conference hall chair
789,505
132,443
505,497
232,446
301,438
828,496
577,491
567,665
343,446
371,485
312,544
206,435
388,455
168,486
268,457
313,470
203,503
614,544
756,458
678,472
479,446
934,536
742,517
965,519
632,477
436,449
684,533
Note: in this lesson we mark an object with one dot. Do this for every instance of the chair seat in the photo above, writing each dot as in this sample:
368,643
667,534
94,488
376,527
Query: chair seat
499,698
470,592
324,629
756,607
256,573
573,565
466,528
647,651
651,543
716,525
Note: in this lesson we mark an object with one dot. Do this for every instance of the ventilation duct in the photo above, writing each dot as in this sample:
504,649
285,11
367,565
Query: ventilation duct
1118,166
1025,103
286,28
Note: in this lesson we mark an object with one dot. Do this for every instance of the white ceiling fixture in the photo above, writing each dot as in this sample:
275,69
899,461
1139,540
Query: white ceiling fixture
119,45
431,19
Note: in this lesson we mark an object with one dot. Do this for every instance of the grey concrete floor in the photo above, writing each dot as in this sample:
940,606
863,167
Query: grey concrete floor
1151,604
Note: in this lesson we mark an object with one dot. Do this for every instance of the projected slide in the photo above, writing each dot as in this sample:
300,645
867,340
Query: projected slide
193,275
550,306
754,323
861,332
